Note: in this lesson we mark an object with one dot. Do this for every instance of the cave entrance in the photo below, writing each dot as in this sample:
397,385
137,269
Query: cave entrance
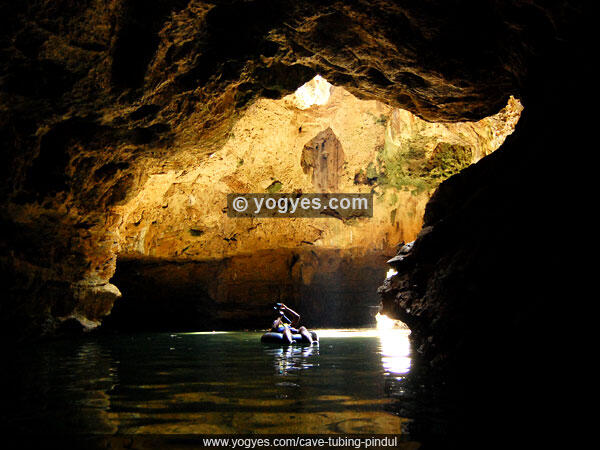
183,264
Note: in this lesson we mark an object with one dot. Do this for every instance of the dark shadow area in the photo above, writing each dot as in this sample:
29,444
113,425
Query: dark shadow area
137,39
328,288
488,287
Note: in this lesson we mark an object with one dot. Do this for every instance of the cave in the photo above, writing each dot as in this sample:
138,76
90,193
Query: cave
125,126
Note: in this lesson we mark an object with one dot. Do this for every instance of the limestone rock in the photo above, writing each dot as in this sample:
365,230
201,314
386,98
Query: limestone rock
101,99
323,158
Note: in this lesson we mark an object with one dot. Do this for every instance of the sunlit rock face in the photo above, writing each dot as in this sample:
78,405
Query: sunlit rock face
319,265
98,98
275,147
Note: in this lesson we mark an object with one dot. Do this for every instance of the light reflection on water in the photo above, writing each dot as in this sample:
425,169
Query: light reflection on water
212,383
395,351
394,346
291,358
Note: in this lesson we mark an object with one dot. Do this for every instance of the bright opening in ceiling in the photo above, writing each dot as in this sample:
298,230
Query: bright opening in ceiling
314,92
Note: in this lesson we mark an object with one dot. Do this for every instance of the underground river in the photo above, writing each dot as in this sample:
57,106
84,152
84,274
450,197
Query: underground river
212,383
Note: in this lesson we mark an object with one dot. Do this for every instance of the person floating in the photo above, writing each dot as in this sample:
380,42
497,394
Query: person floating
283,324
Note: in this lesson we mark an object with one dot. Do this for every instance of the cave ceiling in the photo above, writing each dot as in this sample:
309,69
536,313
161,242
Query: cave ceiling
96,95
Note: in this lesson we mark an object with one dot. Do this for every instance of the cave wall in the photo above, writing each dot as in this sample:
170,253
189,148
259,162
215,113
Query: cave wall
358,146
487,288
273,148
94,94
329,287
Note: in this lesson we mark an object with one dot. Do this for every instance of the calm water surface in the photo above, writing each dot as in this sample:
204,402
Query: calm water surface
210,383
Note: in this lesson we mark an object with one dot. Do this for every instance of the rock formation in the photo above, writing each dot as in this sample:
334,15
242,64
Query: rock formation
483,287
178,217
101,98
323,158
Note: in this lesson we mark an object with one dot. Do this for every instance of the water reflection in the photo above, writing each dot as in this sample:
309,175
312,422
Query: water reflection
211,383
395,352
394,344
61,387
291,359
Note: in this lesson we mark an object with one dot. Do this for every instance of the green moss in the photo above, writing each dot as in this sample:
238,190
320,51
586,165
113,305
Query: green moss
406,166
379,197
381,120
371,171
416,153
447,160
196,232
274,187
